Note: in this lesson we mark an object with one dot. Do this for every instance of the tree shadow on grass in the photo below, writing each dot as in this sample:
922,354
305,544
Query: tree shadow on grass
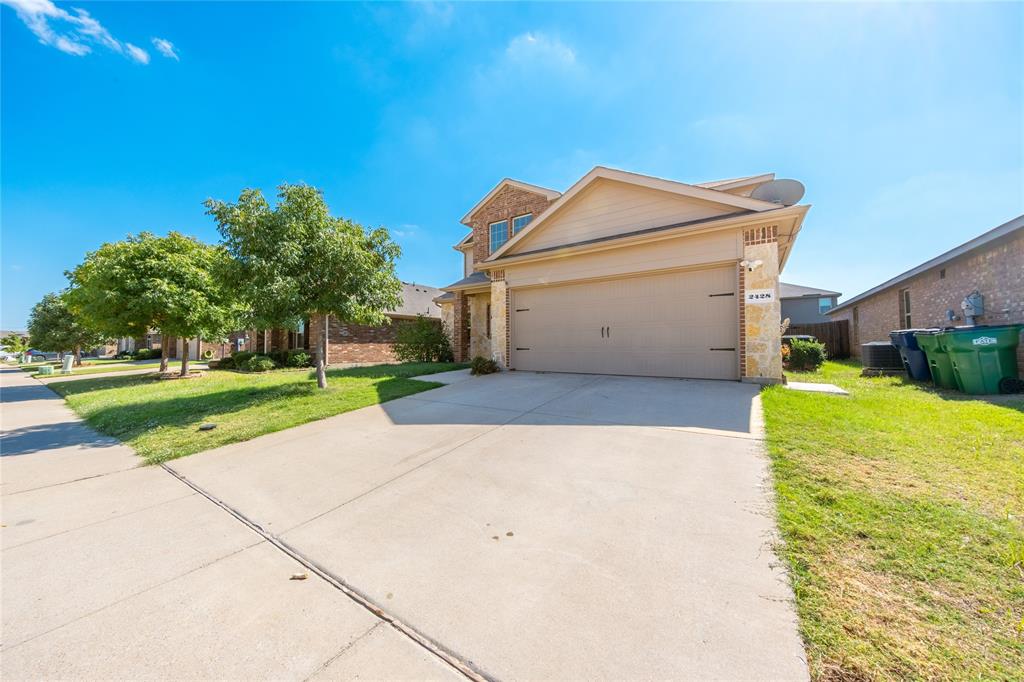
131,420
397,371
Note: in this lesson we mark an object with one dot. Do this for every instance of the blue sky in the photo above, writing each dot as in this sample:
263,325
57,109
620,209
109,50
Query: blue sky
905,122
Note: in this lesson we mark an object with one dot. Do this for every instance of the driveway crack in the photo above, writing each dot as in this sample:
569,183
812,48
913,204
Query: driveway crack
460,664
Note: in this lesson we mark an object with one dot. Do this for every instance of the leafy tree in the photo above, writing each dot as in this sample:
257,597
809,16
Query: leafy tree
15,343
55,326
175,284
295,261
422,340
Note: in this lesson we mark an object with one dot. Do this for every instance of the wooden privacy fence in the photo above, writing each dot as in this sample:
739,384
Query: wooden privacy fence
835,335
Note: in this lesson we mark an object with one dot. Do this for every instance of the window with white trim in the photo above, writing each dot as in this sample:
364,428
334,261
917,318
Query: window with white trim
824,305
519,222
905,308
499,234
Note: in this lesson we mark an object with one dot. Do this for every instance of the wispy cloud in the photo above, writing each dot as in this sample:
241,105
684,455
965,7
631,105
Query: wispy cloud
137,53
166,48
72,32
540,48
406,230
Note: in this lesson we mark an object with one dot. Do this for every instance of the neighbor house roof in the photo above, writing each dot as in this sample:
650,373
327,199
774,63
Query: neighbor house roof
979,241
600,172
509,182
417,299
798,291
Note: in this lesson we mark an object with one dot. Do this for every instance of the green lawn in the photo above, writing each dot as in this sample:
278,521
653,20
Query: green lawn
902,515
160,418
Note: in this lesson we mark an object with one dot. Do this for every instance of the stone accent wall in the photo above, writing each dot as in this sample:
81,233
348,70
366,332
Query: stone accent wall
505,205
760,332
460,327
499,322
479,341
995,270
448,320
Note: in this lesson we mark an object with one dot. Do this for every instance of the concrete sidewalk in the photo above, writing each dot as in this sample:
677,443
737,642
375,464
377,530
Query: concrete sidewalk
112,570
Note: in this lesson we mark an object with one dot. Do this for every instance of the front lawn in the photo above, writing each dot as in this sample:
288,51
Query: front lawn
902,514
160,418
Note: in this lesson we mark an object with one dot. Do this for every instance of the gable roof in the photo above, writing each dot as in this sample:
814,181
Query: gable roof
981,240
798,291
733,183
651,182
509,182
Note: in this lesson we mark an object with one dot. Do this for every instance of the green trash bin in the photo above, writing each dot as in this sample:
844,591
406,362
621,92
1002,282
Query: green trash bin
982,357
939,363
45,369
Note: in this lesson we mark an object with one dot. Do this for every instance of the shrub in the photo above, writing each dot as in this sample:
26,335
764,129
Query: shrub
279,356
226,362
806,356
241,358
481,365
146,354
422,340
260,363
299,358
214,364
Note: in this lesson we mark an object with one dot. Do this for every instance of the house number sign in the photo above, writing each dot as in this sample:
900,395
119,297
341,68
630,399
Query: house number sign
760,295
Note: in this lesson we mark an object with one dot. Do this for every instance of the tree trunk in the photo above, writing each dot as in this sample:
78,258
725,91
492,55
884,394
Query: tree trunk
78,356
321,363
164,353
184,360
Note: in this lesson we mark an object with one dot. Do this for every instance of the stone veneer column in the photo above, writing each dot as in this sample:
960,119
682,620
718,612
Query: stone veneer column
499,322
460,327
762,332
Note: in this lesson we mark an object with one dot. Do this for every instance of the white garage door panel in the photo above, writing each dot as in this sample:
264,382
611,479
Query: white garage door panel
657,325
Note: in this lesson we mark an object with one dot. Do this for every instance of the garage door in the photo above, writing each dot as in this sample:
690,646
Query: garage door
682,324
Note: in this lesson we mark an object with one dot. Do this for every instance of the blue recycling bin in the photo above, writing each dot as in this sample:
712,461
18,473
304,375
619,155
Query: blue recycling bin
914,359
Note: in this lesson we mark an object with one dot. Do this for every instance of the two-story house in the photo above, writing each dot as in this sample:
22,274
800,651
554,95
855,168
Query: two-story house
625,274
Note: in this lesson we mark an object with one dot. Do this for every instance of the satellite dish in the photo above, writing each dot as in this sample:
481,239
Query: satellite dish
784,192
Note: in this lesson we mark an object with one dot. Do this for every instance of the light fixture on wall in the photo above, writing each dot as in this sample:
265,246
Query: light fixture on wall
751,265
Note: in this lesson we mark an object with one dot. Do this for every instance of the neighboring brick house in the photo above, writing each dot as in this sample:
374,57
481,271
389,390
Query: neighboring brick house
625,274
930,294
806,305
346,342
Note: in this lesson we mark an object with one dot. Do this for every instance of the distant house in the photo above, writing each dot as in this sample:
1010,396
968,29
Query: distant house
806,305
930,294
346,342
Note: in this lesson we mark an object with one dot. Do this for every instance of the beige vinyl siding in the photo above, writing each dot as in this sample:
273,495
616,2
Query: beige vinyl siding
467,262
655,325
608,207
675,253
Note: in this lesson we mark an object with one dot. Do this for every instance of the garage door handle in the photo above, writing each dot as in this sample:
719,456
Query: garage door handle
732,349
731,293
602,332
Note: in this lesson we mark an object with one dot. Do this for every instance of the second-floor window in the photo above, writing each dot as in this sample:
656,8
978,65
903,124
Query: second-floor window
519,222
824,305
499,234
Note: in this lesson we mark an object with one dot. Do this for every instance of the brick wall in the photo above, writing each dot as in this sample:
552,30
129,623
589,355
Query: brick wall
996,270
354,342
505,205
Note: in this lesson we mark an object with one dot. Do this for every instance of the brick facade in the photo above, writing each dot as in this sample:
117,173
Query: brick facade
508,203
355,342
996,270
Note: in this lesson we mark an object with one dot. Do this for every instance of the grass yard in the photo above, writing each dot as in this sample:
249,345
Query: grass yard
902,513
160,419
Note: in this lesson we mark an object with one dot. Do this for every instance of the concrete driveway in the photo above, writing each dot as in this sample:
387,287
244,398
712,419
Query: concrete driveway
541,526
515,526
